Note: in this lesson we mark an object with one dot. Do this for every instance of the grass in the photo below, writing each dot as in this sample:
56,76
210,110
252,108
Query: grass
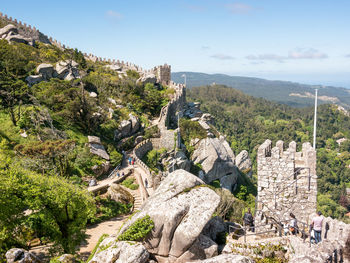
96,247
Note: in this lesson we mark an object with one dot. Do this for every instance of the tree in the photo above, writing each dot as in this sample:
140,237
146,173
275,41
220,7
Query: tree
55,153
32,205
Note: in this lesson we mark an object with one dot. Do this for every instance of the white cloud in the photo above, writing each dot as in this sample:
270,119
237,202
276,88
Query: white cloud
239,8
310,53
222,56
114,15
298,53
266,57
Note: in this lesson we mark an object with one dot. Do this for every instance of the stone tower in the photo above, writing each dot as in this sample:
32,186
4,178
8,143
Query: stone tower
287,182
163,74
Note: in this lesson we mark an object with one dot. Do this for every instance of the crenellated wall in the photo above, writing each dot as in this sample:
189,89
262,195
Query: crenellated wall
287,181
162,72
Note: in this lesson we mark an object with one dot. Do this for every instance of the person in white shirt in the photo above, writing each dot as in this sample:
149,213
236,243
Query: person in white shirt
317,226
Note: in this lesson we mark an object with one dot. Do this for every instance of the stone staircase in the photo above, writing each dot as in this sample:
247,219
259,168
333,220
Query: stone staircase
137,200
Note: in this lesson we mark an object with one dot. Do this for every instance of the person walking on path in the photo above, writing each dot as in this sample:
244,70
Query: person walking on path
293,225
317,226
249,220
130,160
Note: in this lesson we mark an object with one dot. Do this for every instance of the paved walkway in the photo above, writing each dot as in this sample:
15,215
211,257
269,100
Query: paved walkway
112,226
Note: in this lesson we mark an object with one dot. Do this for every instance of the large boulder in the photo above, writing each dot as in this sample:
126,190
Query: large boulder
150,78
34,79
226,258
214,228
124,129
117,193
135,124
19,255
46,70
217,161
180,161
7,29
112,251
20,39
97,148
243,162
67,70
180,208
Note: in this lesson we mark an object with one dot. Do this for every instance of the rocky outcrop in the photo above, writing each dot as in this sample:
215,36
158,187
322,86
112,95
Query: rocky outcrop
10,33
150,78
117,193
112,251
19,255
97,148
65,70
244,163
179,161
214,227
217,161
226,258
174,208
128,127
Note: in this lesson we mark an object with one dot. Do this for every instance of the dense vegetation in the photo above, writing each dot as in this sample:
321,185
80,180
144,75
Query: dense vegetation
247,122
278,91
45,163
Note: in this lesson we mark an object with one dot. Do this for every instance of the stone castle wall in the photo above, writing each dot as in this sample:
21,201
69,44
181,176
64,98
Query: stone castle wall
287,181
163,72
168,115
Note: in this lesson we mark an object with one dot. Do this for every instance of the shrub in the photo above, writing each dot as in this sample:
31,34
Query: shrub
138,230
129,183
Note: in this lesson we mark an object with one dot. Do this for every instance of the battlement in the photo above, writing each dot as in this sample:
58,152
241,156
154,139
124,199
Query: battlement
162,72
287,180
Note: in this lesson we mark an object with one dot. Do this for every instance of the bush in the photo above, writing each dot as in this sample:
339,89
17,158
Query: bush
129,183
138,230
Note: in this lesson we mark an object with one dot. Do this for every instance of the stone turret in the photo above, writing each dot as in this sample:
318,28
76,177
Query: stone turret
287,181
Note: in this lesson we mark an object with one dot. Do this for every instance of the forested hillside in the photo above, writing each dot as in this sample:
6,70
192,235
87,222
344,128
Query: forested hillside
248,122
286,92
45,161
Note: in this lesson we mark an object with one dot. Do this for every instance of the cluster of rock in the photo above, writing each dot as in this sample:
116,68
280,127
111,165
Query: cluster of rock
217,161
244,163
177,160
127,127
10,33
65,70
178,234
96,148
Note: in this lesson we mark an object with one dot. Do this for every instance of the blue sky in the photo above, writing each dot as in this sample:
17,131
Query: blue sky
298,40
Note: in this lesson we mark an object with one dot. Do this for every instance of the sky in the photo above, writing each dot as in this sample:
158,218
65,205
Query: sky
305,41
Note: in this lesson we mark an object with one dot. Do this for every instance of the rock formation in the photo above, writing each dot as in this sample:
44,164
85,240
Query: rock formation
226,258
128,127
217,161
19,255
112,251
10,33
117,193
65,70
174,208
244,163
97,148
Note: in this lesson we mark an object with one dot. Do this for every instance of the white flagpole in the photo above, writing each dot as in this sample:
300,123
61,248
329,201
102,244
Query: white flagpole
315,119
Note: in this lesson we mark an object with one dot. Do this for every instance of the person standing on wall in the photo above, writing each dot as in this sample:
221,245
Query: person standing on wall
317,226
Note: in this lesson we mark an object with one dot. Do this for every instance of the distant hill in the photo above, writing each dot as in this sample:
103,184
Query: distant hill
290,93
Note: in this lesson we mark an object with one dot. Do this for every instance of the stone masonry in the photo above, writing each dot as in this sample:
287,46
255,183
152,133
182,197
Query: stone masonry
287,182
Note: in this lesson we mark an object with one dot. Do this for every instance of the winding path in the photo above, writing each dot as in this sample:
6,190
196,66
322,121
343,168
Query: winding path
111,226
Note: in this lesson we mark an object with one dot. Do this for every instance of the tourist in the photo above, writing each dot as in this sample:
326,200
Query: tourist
249,220
317,226
122,174
118,175
146,183
130,160
293,226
